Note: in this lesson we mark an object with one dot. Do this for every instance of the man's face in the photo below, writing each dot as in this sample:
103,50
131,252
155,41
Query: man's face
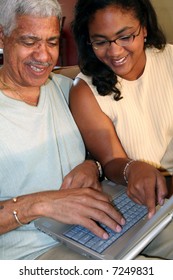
32,50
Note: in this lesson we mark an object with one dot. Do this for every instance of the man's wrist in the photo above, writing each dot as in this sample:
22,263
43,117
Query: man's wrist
100,170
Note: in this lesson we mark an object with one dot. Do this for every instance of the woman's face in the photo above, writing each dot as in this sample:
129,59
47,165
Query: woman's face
114,23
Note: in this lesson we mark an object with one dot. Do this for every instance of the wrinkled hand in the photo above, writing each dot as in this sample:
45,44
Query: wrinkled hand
146,185
82,176
86,207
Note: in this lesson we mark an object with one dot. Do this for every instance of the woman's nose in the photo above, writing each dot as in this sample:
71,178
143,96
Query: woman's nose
114,49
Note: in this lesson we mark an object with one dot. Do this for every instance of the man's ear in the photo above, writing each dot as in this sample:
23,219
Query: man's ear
1,38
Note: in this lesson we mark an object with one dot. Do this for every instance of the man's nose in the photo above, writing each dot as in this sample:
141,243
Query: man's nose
42,52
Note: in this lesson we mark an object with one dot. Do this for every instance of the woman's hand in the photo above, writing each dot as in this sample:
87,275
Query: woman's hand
146,185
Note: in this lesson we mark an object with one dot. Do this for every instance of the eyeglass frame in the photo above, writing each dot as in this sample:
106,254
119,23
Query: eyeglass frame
133,36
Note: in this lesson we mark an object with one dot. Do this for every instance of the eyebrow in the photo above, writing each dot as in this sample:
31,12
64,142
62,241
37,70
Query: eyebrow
32,37
116,34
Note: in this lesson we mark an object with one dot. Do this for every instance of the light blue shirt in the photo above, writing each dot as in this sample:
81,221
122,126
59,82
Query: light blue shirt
39,146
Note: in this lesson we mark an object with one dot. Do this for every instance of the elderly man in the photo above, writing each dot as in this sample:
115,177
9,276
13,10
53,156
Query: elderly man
43,171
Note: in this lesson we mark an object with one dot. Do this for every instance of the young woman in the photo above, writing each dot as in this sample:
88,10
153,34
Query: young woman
122,99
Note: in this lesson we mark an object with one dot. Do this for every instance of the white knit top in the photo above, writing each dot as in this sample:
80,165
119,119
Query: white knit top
144,117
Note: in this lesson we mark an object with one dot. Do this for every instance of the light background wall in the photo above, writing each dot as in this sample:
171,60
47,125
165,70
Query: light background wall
164,10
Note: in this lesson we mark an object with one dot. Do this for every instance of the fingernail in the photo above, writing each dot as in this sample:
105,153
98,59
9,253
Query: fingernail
161,201
150,215
123,221
105,235
118,228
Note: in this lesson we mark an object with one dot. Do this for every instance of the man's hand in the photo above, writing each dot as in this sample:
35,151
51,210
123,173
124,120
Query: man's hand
82,176
83,206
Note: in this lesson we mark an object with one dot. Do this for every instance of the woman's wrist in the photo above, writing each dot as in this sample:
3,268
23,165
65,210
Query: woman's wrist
126,169
117,170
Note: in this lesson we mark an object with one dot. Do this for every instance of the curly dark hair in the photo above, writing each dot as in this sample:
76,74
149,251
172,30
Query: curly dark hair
105,79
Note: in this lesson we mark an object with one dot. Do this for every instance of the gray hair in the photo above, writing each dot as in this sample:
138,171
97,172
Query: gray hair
10,9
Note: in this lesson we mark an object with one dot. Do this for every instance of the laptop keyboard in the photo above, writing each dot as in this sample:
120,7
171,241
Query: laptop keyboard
132,213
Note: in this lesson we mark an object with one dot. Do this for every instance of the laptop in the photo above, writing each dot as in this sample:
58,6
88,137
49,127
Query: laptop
137,233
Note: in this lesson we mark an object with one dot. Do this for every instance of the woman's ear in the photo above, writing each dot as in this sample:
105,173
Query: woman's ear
145,32
1,38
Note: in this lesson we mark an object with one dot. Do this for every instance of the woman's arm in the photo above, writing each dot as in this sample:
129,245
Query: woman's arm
97,129
145,183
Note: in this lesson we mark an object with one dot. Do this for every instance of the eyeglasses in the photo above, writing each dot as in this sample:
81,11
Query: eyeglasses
121,41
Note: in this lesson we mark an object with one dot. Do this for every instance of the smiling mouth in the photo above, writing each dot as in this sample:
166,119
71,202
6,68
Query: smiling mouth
36,69
119,62
39,67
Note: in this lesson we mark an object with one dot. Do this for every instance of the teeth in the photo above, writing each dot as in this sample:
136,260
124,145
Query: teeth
121,60
36,69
